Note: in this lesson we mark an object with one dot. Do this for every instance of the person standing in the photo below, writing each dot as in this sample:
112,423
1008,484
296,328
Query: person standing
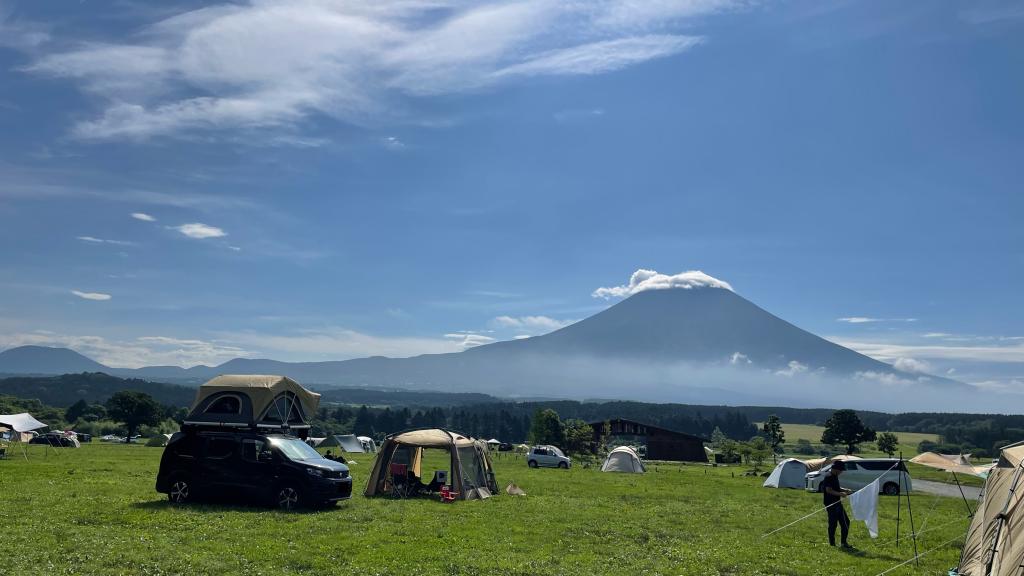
833,498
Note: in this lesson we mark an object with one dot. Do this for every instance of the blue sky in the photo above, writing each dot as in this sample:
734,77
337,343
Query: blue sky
326,180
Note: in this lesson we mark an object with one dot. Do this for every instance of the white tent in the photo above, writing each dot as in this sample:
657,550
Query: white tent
23,422
623,459
788,473
159,440
347,443
368,444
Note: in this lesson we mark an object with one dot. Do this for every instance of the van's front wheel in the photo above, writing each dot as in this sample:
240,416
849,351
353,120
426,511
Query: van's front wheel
288,497
532,463
891,489
181,490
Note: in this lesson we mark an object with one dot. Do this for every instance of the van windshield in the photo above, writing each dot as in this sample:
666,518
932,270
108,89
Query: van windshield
295,449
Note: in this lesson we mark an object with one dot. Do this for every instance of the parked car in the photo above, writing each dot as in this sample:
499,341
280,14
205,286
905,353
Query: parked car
547,455
274,468
860,473
505,447
55,439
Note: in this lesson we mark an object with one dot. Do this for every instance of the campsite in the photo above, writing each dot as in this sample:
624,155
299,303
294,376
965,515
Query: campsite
94,511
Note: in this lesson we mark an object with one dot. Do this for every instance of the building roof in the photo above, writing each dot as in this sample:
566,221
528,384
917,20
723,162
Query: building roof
649,427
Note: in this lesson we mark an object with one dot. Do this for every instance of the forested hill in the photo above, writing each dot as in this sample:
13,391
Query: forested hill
93,387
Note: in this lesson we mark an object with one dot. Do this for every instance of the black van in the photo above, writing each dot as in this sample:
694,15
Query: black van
275,468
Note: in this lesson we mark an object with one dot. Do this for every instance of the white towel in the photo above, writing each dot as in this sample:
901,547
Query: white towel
864,503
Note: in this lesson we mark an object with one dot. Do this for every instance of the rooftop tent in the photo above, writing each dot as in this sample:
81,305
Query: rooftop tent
254,401
23,422
994,544
788,473
471,474
623,459
347,442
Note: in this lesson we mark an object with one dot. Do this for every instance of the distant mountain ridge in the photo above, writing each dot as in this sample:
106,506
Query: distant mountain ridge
691,345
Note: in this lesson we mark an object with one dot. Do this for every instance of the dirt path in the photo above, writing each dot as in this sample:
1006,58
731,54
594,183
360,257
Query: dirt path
942,489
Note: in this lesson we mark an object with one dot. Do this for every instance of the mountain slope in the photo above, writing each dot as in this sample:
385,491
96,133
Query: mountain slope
44,360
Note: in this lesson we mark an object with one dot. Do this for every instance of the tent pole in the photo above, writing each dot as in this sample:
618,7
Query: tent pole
964,496
899,498
910,512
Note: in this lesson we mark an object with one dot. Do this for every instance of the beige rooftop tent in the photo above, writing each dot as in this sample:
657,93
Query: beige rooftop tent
254,401
470,475
995,538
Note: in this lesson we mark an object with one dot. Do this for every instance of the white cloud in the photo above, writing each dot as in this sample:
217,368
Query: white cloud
885,378
198,230
94,240
792,369
469,339
337,343
271,65
392,143
133,353
91,295
739,359
1012,351
532,324
866,320
143,216
643,280
911,365
20,34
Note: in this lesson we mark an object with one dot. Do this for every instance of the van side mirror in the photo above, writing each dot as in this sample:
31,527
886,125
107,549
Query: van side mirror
265,456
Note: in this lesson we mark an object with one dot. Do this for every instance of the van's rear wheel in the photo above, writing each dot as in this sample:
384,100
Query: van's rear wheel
288,497
563,465
891,489
181,490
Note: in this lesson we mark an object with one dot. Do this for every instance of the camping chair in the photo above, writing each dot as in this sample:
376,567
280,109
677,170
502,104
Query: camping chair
399,480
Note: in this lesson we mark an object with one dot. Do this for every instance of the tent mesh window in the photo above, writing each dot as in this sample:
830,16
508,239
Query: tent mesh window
284,409
472,467
227,404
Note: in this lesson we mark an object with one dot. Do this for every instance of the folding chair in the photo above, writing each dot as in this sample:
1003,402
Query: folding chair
399,474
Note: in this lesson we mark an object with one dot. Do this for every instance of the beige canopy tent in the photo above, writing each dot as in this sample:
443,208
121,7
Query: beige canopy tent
471,474
816,464
254,401
995,538
955,463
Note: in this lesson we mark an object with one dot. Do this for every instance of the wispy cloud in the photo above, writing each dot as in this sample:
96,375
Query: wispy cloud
643,280
792,369
132,353
94,240
531,324
271,65
469,339
338,343
200,231
869,320
1011,351
143,216
91,295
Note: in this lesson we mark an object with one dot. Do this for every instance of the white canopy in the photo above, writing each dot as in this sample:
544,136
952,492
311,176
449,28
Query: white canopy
23,422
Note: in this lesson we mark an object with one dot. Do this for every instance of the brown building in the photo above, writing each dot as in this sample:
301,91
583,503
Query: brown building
662,444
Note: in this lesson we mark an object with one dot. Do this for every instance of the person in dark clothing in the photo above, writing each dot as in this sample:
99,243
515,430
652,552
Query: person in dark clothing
833,498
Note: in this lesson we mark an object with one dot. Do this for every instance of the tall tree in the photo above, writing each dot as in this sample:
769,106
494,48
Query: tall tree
546,428
844,428
773,433
887,442
134,409
75,411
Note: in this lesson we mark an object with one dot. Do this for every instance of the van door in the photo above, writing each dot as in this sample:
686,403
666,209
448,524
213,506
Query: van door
256,476
853,478
220,462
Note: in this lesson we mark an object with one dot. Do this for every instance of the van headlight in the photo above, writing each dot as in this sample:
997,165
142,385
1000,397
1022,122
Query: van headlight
315,472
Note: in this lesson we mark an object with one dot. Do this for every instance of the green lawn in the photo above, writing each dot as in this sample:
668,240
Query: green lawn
908,441
94,511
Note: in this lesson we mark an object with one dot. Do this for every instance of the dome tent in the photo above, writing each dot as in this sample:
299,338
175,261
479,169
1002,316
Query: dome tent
788,473
623,459
471,477
254,401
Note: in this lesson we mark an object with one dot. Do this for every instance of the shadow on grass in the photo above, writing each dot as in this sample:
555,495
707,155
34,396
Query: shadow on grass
212,506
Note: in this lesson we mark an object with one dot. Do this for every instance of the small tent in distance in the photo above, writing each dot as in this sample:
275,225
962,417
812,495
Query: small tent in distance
788,473
623,459
158,440
347,443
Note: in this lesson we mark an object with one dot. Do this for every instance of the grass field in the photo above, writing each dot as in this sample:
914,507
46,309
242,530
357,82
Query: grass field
94,511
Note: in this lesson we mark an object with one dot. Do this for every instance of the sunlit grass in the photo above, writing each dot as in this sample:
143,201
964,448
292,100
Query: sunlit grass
94,511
